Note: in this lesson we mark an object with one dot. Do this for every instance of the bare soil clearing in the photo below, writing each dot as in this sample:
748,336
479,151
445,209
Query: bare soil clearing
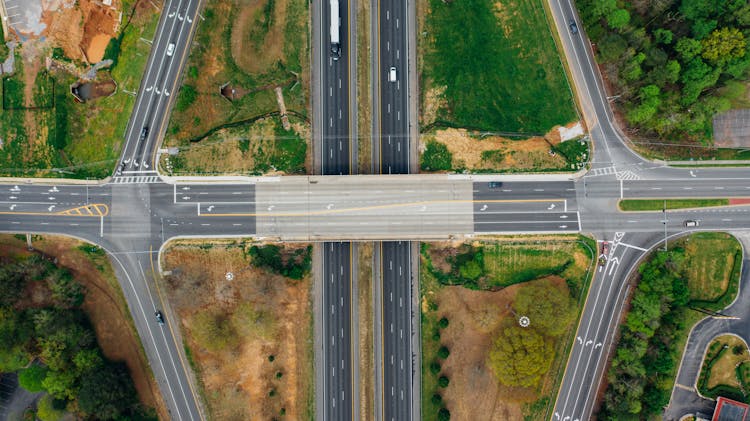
105,306
241,381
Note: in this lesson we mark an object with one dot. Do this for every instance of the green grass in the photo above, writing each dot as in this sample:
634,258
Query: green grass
504,74
712,268
436,157
637,205
3,48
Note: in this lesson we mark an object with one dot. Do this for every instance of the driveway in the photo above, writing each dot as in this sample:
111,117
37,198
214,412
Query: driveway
685,399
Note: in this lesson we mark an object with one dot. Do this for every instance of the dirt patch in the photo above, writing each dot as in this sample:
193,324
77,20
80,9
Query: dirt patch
241,381
499,152
253,50
105,306
475,317
82,31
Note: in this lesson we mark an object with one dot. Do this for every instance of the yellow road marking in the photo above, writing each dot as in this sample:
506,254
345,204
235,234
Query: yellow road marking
394,205
99,209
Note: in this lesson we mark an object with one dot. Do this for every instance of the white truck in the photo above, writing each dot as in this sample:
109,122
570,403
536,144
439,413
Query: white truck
335,29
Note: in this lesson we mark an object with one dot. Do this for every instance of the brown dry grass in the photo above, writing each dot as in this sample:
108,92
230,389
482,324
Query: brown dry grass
238,379
366,356
105,306
723,370
475,316
252,58
532,153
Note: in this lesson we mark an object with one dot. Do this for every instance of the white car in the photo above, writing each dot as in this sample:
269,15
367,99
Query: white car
392,74
170,49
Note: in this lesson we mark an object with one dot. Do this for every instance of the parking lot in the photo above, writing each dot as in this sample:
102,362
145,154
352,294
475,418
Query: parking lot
24,16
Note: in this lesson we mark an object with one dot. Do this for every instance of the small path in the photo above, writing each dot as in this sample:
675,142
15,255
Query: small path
685,399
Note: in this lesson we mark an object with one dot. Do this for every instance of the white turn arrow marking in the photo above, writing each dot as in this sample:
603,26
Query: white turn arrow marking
53,190
580,341
563,226
171,15
270,207
189,20
330,206
180,17
484,207
210,208
13,198
597,345
557,416
186,188
49,209
51,198
692,174
551,206
12,207
564,216
185,197
615,262
149,88
15,188
589,342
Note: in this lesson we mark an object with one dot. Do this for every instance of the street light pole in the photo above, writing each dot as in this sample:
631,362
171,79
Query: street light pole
664,211
87,191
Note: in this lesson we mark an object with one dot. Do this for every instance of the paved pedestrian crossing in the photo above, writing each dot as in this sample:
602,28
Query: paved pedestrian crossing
136,179
620,175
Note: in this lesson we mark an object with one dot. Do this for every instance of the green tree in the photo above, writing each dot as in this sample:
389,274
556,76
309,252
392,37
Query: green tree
444,414
688,48
87,359
12,283
520,356
110,401
723,45
46,409
663,36
31,378
60,384
443,381
550,310
601,8
435,367
443,352
436,399
443,322
618,19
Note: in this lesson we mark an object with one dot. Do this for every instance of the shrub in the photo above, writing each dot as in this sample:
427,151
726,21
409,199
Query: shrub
444,414
443,352
444,381
436,335
435,367
437,399
443,323
279,374
738,349
31,378
436,157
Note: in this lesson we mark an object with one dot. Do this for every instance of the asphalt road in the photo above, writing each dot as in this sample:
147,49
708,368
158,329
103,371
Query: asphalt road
158,87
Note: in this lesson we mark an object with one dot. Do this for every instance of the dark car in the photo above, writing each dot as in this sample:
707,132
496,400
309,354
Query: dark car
605,253
495,184
159,317
144,133
573,27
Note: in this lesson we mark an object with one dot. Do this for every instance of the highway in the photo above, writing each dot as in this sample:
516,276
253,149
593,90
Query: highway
335,158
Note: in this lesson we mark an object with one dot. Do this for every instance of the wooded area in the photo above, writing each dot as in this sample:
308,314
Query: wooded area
59,336
672,64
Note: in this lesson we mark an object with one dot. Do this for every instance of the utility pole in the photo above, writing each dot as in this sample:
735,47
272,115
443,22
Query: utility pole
87,191
664,211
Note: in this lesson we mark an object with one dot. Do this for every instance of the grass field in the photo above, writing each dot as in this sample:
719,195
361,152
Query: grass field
712,266
725,368
261,147
72,139
250,339
504,74
637,205
476,315
251,48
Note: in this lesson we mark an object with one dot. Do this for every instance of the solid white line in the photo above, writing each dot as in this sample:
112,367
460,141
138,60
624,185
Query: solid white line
632,246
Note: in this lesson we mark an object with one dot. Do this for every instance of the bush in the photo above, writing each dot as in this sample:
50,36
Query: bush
46,409
436,157
436,335
443,323
443,381
31,378
443,352
435,367
436,399
444,414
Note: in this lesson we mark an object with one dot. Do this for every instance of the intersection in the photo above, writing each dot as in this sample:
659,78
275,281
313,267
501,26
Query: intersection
133,218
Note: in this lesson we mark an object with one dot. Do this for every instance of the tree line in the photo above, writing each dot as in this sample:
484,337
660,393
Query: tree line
674,64
54,347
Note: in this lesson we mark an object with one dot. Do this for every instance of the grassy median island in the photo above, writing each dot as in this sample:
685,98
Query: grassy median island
248,70
726,369
477,361
61,306
486,90
638,205
699,274
248,335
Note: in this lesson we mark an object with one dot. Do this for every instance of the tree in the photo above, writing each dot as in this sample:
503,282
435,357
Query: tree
443,323
87,359
550,310
443,381
618,18
601,8
520,356
12,283
663,36
46,409
435,367
31,378
723,45
444,414
107,393
60,384
443,352
436,399
688,48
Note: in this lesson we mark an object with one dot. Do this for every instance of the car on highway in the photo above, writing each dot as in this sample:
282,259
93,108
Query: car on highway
604,253
159,317
144,133
691,223
170,49
392,74
573,27
495,184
